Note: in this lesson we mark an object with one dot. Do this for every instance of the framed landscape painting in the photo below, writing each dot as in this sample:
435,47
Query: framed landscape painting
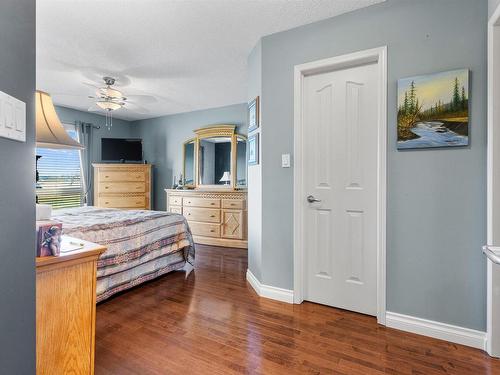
433,110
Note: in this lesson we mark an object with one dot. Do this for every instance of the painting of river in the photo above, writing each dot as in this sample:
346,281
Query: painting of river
433,110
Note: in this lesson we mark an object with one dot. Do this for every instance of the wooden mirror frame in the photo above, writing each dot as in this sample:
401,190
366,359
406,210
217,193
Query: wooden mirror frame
228,131
236,186
195,168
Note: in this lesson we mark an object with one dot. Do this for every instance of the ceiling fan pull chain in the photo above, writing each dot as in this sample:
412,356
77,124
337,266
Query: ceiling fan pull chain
109,119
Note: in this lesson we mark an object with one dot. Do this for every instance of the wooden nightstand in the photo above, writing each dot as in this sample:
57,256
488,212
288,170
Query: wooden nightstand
65,311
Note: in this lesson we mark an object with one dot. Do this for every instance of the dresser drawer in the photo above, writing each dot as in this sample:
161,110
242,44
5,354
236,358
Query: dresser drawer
208,215
122,202
120,176
201,202
122,187
234,204
175,201
176,209
205,229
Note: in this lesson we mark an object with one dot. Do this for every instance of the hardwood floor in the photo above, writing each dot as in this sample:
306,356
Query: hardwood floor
213,323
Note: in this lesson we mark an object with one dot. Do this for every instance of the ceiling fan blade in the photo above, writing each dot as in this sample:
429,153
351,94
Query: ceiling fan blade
131,106
93,85
64,94
143,99
94,108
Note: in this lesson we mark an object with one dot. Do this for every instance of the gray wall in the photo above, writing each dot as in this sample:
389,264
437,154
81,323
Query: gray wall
163,138
436,214
492,5
254,80
17,194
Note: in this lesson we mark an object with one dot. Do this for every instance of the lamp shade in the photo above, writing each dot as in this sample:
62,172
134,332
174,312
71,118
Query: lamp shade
225,177
50,133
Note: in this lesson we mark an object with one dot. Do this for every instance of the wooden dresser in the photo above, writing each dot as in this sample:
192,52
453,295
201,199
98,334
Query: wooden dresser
126,186
216,217
65,311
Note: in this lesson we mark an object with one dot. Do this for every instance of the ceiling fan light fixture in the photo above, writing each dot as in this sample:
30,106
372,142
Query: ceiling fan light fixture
108,105
110,93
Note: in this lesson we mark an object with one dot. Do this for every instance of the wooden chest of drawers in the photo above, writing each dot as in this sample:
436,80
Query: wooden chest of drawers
65,311
126,186
215,217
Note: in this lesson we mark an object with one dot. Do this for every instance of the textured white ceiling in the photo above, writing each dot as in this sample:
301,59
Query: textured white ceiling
174,55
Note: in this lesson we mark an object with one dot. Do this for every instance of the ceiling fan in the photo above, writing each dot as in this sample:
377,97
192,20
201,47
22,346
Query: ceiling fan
108,99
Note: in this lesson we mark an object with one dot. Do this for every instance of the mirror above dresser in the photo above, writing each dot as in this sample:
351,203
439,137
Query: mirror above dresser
213,197
215,158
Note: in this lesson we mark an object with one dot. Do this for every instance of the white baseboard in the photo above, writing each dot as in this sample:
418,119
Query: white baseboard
443,331
267,291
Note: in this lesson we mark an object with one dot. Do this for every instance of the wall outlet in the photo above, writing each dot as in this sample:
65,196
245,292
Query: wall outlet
285,161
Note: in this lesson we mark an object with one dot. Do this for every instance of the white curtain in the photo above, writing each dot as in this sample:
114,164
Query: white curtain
85,138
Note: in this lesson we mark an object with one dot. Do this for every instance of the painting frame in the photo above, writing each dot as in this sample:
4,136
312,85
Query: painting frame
253,114
433,110
253,149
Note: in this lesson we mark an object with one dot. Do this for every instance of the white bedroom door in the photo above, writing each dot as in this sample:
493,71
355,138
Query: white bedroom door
340,180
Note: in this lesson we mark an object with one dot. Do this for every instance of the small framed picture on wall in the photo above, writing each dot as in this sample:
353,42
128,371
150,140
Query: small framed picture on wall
253,114
253,149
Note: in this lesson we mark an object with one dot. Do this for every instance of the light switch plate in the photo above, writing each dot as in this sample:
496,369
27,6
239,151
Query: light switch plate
285,161
12,118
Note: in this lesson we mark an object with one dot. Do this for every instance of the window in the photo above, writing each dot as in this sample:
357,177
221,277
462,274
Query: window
60,171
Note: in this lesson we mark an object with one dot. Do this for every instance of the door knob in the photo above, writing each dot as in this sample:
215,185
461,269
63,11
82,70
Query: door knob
311,199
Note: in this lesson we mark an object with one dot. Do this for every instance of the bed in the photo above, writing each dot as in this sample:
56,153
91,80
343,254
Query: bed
141,245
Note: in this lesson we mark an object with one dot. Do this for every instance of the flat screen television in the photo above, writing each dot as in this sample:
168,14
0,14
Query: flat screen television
121,149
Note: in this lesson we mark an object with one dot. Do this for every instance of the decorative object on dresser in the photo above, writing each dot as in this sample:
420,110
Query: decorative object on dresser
125,186
48,238
65,310
215,170
216,217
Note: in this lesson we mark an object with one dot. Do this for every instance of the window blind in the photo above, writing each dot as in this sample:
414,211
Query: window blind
60,171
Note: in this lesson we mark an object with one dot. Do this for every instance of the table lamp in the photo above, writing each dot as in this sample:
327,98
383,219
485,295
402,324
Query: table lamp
50,133
226,178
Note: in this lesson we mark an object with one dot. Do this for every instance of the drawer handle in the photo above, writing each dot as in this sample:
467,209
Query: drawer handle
212,215
189,202
189,214
107,187
138,202
106,176
212,204
106,202
212,230
232,204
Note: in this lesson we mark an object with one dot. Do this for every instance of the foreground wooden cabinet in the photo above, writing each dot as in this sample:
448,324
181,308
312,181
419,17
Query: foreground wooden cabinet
216,217
126,186
65,311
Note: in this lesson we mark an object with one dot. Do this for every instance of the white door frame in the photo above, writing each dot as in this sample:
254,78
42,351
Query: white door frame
375,55
492,345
